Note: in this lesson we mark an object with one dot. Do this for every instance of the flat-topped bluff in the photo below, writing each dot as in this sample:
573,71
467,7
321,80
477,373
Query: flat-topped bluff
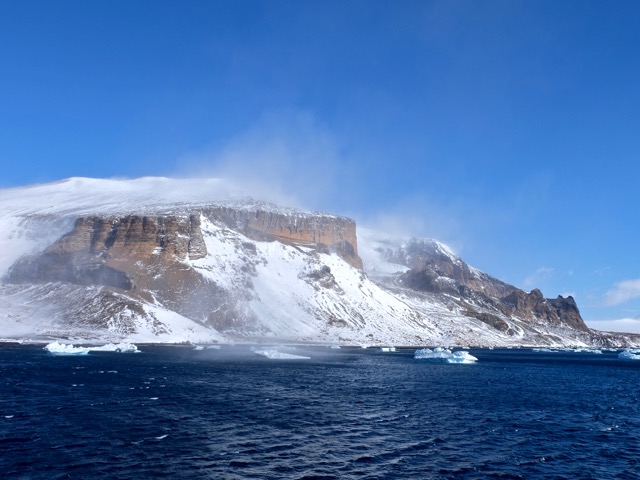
100,248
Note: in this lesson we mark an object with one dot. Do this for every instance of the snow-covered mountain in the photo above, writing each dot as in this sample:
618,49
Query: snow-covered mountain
163,260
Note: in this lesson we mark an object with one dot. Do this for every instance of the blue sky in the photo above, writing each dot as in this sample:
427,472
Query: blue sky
508,129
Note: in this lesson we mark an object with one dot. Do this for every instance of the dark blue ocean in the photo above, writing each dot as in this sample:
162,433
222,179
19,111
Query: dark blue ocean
174,412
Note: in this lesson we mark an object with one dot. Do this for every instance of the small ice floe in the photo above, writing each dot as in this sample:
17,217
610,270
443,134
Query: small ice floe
198,347
57,348
274,354
587,350
162,437
116,347
387,349
444,355
8,416
546,350
629,354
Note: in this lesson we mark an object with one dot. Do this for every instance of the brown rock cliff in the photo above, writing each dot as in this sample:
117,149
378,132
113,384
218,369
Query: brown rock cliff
325,232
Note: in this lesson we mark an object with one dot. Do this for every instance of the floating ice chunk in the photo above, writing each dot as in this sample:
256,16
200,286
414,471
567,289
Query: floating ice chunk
444,355
198,347
57,348
629,354
587,350
387,349
116,347
274,354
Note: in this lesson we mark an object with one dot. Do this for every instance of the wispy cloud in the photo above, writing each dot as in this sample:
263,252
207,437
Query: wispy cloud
626,325
622,292
541,274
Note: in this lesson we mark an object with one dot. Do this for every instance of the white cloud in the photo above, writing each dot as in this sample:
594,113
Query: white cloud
622,292
537,277
625,325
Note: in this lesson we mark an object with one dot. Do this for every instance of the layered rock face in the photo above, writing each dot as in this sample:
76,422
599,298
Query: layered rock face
323,232
142,256
110,251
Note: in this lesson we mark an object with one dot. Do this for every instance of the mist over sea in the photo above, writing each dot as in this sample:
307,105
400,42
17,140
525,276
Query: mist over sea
177,412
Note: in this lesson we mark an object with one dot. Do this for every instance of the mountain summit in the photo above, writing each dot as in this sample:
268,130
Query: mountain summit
161,260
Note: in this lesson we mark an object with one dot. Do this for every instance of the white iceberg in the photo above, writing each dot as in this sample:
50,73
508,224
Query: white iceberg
57,348
116,347
274,354
444,355
387,349
629,355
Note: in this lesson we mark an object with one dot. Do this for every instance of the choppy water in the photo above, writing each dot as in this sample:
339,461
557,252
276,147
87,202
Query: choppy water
172,412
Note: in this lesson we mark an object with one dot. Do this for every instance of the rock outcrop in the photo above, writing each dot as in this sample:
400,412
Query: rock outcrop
533,306
433,269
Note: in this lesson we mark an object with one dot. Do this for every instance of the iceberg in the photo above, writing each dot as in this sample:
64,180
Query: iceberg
629,354
57,348
116,347
274,354
387,349
444,355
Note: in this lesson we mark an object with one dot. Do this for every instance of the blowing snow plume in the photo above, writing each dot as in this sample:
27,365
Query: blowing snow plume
285,158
